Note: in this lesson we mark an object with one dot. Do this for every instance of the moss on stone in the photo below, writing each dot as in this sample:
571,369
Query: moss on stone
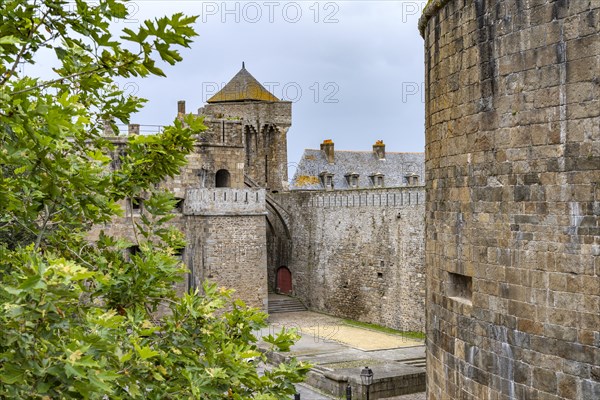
307,180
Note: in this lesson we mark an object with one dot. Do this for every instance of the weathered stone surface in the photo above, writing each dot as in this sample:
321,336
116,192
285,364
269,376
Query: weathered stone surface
512,197
225,221
359,253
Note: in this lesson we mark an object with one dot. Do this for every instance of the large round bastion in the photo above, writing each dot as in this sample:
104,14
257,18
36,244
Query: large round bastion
513,199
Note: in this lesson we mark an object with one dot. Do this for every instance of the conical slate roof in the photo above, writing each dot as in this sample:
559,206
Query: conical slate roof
243,86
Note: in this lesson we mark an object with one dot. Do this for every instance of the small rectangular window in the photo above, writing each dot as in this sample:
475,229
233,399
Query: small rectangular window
327,180
377,180
179,253
460,286
136,204
179,205
352,180
133,250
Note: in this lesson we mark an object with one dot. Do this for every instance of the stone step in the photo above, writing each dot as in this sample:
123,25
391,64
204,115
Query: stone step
284,310
290,308
415,362
285,302
288,304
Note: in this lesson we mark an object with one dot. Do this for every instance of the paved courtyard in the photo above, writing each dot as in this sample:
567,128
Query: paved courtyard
338,350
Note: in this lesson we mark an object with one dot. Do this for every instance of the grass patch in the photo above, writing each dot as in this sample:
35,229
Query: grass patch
384,329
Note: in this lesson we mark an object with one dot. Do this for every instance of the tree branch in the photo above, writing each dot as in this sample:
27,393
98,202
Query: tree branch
11,71
40,235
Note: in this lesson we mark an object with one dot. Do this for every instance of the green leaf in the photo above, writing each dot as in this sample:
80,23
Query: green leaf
11,374
9,40
33,282
73,370
146,352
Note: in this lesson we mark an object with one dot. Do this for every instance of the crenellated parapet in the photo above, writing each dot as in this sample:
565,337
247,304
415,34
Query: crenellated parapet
225,201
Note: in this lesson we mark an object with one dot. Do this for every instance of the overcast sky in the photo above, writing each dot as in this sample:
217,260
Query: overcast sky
353,69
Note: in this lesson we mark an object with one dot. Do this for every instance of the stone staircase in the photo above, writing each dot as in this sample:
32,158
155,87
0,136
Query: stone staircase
282,304
415,362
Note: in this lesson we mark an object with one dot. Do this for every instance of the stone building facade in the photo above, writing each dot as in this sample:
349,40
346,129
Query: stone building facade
349,236
513,199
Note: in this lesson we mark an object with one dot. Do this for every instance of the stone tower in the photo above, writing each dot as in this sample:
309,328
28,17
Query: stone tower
513,199
264,121
222,191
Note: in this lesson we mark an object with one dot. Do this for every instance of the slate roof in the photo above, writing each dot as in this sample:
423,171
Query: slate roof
394,169
243,86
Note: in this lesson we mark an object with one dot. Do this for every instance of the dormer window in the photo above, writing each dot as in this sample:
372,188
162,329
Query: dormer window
377,180
352,180
327,180
412,180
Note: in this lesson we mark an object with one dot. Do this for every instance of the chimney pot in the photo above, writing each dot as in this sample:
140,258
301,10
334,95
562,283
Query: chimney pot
328,148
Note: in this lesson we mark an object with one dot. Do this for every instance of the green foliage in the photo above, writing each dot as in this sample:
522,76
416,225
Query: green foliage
78,318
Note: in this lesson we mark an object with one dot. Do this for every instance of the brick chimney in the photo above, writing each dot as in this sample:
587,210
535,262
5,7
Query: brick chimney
181,107
327,148
379,150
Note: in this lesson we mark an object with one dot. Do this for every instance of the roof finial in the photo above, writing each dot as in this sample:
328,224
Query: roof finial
243,65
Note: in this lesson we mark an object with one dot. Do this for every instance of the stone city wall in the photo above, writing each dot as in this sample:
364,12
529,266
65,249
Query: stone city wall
231,251
513,199
359,254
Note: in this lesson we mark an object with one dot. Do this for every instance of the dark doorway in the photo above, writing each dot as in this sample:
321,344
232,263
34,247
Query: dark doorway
222,178
284,280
